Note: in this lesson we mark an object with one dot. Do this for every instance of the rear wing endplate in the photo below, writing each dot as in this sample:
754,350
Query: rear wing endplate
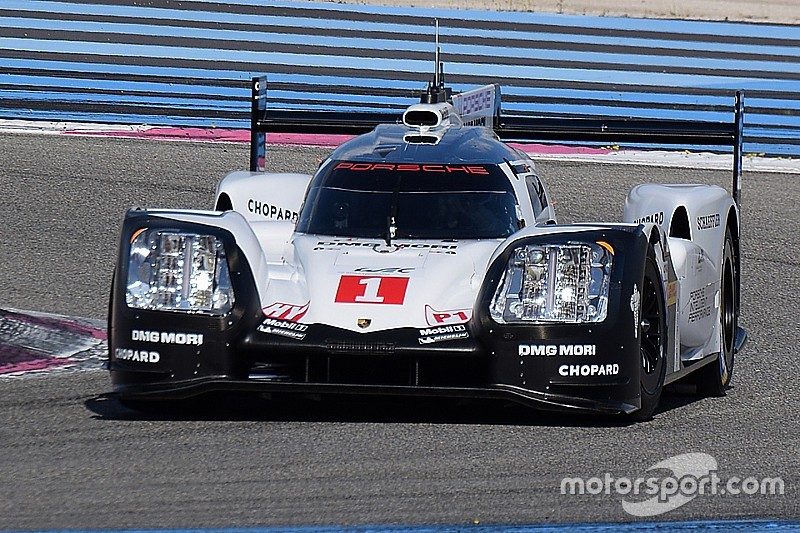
482,107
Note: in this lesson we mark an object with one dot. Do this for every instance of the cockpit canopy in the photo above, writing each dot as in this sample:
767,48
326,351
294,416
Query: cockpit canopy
410,200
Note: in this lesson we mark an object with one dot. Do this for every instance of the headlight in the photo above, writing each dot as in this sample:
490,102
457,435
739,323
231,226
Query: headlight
176,271
554,283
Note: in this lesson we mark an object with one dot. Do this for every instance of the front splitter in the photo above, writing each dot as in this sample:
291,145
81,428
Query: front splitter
533,399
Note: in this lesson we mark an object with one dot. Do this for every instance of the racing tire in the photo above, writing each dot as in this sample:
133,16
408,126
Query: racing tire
714,378
653,341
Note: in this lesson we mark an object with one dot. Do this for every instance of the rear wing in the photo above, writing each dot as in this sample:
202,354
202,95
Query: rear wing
482,107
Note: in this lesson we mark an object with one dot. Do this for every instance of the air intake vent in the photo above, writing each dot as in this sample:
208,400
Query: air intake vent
430,116
421,118
357,348
270,372
421,139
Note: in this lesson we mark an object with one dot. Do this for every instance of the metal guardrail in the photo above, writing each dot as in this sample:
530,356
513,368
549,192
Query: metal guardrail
190,62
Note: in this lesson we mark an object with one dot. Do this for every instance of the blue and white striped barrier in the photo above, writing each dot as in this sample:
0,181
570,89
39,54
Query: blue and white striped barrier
188,63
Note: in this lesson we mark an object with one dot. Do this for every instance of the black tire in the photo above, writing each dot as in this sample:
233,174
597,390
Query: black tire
109,315
714,378
653,341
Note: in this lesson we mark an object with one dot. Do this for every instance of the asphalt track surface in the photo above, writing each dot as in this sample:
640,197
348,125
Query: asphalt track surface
72,457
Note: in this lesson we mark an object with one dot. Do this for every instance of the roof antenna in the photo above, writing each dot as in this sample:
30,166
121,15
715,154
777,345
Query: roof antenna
436,91
436,60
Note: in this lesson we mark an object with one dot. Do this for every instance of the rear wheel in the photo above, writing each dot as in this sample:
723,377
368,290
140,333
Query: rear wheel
714,378
653,340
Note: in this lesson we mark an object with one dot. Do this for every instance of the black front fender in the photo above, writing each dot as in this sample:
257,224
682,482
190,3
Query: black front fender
597,361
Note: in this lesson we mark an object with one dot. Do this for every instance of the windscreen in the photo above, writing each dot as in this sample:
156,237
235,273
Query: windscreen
376,200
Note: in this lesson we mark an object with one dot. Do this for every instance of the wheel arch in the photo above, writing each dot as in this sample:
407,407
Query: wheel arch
732,224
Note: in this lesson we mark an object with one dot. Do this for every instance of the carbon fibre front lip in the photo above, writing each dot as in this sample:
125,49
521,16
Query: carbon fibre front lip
528,398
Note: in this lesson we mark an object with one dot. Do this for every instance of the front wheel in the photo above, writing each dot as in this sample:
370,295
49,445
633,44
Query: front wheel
652,332
714,378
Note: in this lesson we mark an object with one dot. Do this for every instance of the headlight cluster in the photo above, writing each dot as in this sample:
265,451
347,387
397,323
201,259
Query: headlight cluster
177,271
554,283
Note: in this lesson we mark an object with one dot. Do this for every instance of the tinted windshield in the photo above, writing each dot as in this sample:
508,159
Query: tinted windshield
420,201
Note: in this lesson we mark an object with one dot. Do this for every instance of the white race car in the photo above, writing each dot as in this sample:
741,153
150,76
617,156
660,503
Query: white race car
424,258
